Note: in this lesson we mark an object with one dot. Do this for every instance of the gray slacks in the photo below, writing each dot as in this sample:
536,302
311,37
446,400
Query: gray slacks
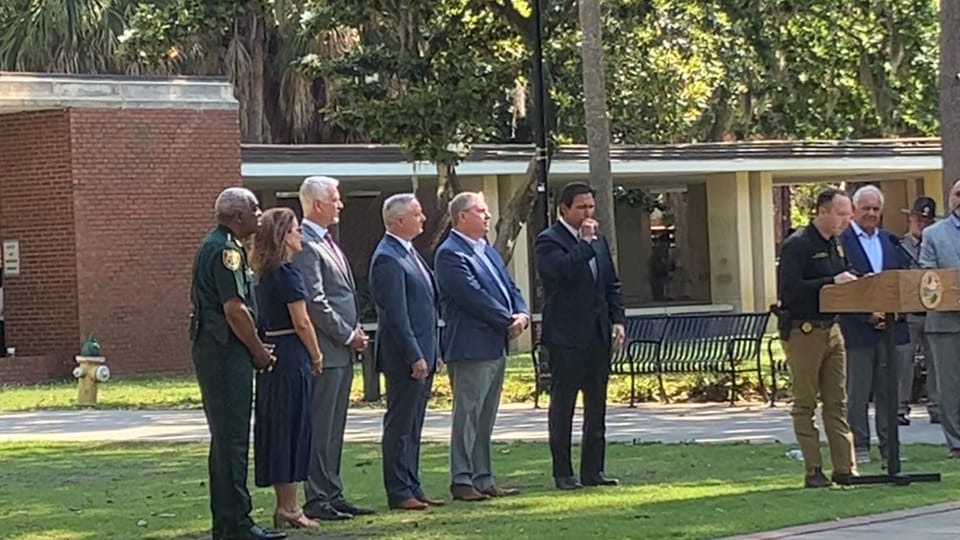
945,347
476,386
863,377
917,338
331,399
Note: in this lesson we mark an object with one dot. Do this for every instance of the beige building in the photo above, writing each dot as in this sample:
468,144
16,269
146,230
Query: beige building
723,226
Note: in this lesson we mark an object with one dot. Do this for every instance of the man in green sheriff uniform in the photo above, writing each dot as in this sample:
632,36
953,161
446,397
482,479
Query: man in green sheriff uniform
226,349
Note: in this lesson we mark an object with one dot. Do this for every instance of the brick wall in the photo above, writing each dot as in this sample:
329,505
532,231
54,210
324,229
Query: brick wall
109,206
32,369
36,208
145,183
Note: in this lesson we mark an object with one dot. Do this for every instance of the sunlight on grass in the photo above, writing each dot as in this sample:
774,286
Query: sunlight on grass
86,491
181,391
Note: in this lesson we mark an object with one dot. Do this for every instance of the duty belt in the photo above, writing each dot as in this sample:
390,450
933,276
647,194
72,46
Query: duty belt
808,325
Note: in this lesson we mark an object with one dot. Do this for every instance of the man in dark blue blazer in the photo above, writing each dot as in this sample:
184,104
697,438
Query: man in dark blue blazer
583,318
482,311
406,347
869,250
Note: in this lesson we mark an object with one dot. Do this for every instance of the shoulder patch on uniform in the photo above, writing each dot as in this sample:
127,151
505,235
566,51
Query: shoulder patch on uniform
231,259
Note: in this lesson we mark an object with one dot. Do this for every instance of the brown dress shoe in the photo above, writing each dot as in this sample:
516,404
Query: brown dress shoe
409,504
467,493
495,491
816,479
431,502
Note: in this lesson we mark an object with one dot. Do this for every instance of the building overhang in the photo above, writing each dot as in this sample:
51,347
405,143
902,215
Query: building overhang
787,161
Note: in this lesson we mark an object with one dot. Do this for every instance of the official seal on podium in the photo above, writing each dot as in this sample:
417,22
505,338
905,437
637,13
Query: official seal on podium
931,290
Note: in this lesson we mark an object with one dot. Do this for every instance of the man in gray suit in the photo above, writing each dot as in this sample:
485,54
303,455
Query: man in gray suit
940,248
333,307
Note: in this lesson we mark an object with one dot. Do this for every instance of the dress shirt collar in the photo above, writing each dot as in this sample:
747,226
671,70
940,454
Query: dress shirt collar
862,233
407,245
318,229
478,246
574,232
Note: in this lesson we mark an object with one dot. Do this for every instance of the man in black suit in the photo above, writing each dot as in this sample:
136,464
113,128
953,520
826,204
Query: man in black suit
583,319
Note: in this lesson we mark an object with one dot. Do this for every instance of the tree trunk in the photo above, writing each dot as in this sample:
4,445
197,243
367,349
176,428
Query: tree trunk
597,122
448,185
516,213
257,46
950,92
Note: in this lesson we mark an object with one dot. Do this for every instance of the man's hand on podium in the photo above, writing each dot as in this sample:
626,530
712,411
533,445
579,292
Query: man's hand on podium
844,277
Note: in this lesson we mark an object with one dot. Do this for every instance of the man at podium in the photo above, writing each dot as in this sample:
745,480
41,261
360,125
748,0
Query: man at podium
809,259
869,250
940,248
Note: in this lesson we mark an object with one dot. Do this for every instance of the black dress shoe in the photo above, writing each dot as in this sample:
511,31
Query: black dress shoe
255,532
325,512
601,479
903,420
567,483
845,478
347,508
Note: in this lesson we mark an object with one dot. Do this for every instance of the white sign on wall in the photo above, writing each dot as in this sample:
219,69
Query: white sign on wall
11,257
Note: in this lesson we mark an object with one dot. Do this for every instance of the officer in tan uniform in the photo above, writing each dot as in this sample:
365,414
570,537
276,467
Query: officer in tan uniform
809,259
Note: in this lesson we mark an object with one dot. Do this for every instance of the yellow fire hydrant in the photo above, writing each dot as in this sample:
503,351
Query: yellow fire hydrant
90,373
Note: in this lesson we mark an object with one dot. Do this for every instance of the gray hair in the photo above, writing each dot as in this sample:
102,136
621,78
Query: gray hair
867,190
316,188
396,206
233,201
462,202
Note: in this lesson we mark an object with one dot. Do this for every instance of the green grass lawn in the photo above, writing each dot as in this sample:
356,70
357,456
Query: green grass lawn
87,491
181,391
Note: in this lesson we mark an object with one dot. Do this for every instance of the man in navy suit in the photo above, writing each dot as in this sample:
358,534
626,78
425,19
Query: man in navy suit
583,318
406,347
869,250
482,310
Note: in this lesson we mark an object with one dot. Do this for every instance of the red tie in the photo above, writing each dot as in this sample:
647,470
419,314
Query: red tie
336,252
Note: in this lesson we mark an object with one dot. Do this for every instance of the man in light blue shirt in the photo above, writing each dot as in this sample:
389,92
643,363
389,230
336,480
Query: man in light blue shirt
869,249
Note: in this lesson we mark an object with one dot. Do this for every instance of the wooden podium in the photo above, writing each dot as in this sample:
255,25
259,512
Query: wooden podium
894,292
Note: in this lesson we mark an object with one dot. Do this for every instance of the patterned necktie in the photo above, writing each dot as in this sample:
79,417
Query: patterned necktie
423,269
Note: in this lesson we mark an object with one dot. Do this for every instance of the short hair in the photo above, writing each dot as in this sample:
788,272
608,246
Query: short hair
571,190
462,202
867,190
316,188
396,205
233,201
826,197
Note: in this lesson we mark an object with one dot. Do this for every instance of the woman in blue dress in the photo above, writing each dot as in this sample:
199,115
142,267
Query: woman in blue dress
281,433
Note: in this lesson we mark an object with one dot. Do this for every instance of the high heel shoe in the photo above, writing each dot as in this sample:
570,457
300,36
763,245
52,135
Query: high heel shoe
283,520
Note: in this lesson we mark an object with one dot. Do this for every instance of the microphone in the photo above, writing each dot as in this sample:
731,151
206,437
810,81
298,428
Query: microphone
897,242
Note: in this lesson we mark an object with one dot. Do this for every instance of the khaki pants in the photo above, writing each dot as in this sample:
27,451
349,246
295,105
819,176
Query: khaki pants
817,363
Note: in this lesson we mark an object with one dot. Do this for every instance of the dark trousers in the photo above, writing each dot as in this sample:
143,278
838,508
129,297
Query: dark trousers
402,426
225,375
331,399
571,371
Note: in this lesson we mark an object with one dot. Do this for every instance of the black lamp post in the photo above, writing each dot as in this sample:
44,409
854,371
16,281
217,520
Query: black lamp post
540,104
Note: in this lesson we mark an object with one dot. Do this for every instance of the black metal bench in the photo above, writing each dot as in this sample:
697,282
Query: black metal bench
730,344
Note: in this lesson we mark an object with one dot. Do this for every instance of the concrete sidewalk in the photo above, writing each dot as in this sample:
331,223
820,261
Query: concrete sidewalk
710,422
937,522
